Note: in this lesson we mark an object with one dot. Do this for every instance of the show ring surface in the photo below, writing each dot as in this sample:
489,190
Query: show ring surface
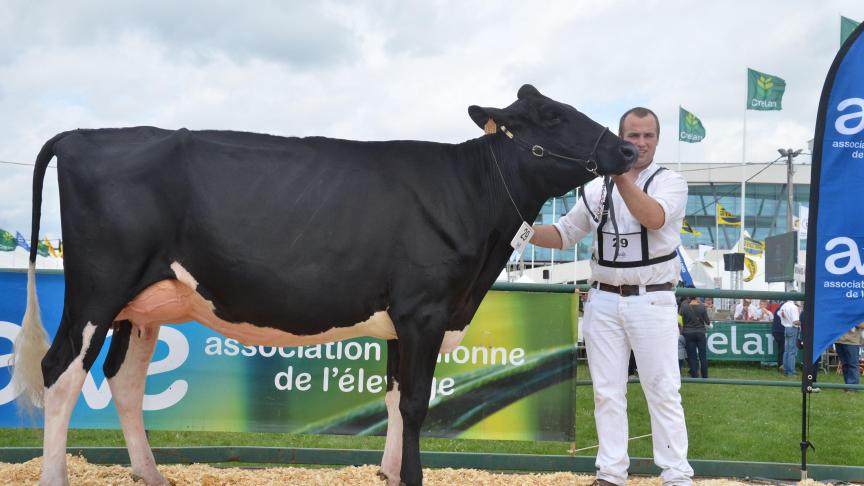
82,472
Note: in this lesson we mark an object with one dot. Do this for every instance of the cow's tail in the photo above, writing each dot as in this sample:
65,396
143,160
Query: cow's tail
31,344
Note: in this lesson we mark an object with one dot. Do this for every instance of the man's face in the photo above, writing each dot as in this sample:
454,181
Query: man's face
641,132
746,302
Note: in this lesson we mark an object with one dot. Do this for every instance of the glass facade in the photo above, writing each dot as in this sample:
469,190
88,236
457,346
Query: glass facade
765,216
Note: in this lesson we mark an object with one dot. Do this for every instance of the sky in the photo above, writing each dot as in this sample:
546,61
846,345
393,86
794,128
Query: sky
400,69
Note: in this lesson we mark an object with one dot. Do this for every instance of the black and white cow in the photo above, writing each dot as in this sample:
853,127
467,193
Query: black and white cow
288,241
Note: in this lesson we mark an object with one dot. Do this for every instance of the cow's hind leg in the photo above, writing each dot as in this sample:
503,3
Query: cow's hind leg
64,368
126,370
391,463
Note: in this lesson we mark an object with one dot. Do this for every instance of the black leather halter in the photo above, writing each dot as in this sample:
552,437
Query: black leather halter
588,163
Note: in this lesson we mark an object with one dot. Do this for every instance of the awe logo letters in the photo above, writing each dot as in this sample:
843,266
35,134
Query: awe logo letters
848,250
841,124
98,397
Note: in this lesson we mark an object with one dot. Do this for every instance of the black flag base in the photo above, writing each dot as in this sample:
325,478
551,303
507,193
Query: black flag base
807,380
805,444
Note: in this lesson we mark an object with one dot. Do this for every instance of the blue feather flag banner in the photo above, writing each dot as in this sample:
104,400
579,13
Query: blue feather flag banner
835,240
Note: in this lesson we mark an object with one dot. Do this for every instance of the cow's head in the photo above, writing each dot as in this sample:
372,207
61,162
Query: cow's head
566,141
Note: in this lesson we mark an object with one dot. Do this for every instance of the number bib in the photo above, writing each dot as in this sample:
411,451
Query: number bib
629,246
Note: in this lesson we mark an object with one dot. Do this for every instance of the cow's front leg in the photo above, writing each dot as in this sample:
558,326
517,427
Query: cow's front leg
126,370
419,343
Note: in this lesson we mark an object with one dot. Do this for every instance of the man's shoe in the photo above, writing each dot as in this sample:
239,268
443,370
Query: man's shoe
602,482
815,389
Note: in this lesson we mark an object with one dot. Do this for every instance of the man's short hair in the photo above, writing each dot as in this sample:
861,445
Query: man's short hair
640,112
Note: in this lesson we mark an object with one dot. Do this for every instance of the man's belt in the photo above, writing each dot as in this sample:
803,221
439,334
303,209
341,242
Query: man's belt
630,290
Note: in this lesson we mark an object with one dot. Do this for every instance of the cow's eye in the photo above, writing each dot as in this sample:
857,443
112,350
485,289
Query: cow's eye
552,121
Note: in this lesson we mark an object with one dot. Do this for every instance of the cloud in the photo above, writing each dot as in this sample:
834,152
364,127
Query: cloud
401,70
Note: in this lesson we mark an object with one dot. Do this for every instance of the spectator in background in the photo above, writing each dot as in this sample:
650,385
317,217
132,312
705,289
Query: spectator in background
790,318
773,306
779,334
695,322
848,349
763,314
745,311
709,308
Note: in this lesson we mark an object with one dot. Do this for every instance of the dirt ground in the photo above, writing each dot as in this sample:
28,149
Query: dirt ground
82,473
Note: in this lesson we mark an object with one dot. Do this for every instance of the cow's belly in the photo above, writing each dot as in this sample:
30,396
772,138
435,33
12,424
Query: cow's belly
176,301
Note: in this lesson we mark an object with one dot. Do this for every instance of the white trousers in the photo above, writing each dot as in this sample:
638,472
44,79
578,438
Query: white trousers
647,324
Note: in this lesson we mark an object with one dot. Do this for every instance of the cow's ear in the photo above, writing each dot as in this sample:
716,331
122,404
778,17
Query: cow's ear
528,91
481,115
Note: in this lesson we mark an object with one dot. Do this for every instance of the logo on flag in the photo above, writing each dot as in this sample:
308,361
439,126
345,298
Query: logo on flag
7,241
764,91
690,127
689,230
724,217
753,247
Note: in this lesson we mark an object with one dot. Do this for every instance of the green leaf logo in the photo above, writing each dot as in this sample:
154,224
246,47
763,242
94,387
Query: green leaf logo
765,83
690,119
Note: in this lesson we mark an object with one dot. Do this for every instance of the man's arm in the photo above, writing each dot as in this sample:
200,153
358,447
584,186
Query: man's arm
643,207
547,236
705,319
569,229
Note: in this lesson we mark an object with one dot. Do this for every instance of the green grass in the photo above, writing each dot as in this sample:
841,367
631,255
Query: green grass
725,422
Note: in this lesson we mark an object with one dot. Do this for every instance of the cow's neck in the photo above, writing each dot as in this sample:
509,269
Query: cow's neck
515,193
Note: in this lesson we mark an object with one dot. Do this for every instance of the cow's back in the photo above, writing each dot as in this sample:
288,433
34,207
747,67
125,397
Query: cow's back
304,231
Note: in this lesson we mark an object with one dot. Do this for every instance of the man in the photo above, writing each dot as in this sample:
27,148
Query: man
709,308
695,322
632,303
763,314
744,311
778,332
848,348
790,318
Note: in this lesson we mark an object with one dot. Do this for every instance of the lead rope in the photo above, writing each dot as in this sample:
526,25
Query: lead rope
503,181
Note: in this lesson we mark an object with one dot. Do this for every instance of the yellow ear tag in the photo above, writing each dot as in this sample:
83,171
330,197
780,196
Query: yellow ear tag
490,127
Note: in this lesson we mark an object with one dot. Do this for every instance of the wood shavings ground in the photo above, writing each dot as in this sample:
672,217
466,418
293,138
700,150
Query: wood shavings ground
82,473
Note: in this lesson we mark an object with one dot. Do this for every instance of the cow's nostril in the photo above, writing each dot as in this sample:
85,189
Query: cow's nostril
629,152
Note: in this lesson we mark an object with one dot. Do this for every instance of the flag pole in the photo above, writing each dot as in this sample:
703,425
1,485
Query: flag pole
743,176
679,138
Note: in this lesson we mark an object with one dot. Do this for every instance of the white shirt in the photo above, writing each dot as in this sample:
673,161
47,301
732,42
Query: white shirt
753,312
789,314
669,189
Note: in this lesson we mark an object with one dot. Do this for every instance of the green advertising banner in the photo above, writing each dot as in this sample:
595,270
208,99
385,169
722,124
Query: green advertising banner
764,91
511,378
741,341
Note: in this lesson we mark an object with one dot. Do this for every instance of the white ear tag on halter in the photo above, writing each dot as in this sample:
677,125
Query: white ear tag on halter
523,236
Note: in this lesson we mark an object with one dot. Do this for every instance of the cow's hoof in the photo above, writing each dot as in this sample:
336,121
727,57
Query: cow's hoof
388,481
155,480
